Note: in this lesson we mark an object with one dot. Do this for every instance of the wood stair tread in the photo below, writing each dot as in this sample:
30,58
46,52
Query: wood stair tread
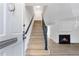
37,52
36,42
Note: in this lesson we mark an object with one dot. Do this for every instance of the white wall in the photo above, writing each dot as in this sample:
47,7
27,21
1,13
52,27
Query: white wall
27,16
1,18
57,11
38,17
38,11
62,19
64,27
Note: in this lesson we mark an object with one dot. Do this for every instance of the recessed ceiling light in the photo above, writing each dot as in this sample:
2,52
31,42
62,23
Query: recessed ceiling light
37,6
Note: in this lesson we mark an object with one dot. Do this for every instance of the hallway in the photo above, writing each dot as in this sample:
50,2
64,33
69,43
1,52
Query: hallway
36,43
22,33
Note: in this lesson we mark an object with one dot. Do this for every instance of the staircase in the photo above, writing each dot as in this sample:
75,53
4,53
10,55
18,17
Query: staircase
36,43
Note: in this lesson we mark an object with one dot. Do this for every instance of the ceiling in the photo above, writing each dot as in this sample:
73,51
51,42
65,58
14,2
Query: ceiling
58,11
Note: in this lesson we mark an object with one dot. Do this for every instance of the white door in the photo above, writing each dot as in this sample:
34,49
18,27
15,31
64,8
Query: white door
11,27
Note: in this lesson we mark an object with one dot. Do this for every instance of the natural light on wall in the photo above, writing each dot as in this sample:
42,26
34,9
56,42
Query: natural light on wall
38,12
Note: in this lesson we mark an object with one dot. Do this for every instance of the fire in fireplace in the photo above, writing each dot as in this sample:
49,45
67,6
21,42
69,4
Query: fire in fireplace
64,39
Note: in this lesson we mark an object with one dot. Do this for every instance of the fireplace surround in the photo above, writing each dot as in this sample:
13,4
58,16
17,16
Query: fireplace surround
64,39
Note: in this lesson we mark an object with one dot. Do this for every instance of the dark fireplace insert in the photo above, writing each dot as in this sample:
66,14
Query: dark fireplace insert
64,39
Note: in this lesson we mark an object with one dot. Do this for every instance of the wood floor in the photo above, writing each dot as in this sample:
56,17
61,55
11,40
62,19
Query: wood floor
64,49
36,43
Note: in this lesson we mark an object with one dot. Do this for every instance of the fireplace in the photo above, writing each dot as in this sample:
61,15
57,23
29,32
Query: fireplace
64,39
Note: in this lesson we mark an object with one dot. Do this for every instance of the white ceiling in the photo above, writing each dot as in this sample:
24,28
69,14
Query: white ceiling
58,11
37,9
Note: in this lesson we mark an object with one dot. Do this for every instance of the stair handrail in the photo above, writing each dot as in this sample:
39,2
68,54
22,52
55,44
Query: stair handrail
45,33
24,33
